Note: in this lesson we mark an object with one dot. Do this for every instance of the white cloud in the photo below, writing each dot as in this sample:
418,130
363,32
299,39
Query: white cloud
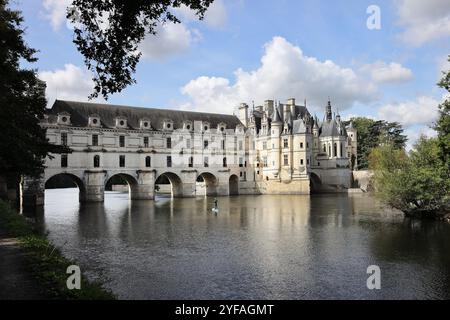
70,83
423,21
414,134
216,16
381,72
423,110
284,72
56,11
171,39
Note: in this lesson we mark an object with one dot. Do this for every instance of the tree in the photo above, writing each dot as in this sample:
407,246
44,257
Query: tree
418,184
372,133
23,143
108,33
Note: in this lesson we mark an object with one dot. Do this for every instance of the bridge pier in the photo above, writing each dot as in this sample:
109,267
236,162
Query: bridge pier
95,186
223,183
32,192
188,184
145,188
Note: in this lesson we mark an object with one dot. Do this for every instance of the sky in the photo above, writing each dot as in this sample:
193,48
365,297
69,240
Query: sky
379,59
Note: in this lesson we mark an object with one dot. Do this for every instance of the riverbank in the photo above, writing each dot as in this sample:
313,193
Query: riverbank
32,268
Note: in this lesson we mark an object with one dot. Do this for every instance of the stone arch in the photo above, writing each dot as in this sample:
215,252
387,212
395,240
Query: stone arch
176,185
124,177
233,185
315,183
63,180
209,184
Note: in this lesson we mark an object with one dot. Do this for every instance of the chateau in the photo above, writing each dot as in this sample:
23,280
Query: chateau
271,149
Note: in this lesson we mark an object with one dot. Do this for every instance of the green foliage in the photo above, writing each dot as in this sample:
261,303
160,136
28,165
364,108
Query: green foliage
417,184
443,123
372,133
45,261
108,33
23,143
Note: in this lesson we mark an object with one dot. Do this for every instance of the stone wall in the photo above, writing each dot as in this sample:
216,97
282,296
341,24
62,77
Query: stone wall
361,179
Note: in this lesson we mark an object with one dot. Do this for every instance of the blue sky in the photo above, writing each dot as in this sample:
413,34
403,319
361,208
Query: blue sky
248,50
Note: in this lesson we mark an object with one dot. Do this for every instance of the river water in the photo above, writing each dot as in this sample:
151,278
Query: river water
256,247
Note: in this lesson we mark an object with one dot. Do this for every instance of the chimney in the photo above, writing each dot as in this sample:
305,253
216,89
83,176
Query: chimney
243,114
268,107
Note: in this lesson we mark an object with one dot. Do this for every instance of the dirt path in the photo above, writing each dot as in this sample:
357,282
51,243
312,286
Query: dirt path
16,283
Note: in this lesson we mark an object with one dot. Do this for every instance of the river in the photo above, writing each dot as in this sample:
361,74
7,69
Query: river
256,247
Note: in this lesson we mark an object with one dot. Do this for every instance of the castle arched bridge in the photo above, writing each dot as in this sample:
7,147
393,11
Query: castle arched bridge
141,183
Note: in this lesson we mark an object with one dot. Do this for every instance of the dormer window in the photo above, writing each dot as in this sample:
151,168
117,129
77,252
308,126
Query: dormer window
168,124
94,121
205,126
221,127
64,118
145,124
121,122
187,125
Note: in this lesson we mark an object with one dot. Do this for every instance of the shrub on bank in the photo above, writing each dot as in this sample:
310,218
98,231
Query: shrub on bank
45,261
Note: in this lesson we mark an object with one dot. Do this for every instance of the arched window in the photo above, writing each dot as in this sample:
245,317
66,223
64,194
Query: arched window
329,150
324,148
225,162
335,150
340,154
96,161
148,161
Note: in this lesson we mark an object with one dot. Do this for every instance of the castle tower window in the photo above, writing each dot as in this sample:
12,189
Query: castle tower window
301,145
324,148
223,144
285,143
301,162
121,122
169,143
206,164
145,142
95,139
96,161
240,145
335,150
122,141
264,145
285,159
64,138
188,143
307,161
340,150
122,161
224,162
148,162
169,161
64,161
191,162
205,144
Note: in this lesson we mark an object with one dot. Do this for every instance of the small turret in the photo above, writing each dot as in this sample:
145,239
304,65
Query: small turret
328,113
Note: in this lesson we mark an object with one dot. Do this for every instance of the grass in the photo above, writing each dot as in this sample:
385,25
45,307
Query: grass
45,261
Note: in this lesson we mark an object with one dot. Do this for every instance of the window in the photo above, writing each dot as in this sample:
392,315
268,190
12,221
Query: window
285,143
122,141
95,139
169,161
145,142
340,153
188,143
285,160
301,145
240,145
224,162
148,162
96,161
191,162
64,138
241,162
307,145
301,162
121,161
168,126
64,161
265,161
324,148
307,161
169,143
223,144
205,162
205,144
245,175
335,150
264,145
205,128
329,150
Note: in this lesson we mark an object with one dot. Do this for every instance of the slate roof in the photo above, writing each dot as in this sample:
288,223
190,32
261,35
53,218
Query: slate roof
80,112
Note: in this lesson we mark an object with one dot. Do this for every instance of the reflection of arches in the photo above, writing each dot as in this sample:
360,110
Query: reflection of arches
67,180
315,183
166,178
206,184
234,185
122,179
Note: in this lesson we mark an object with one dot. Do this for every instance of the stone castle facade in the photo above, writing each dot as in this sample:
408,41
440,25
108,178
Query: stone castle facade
271,149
